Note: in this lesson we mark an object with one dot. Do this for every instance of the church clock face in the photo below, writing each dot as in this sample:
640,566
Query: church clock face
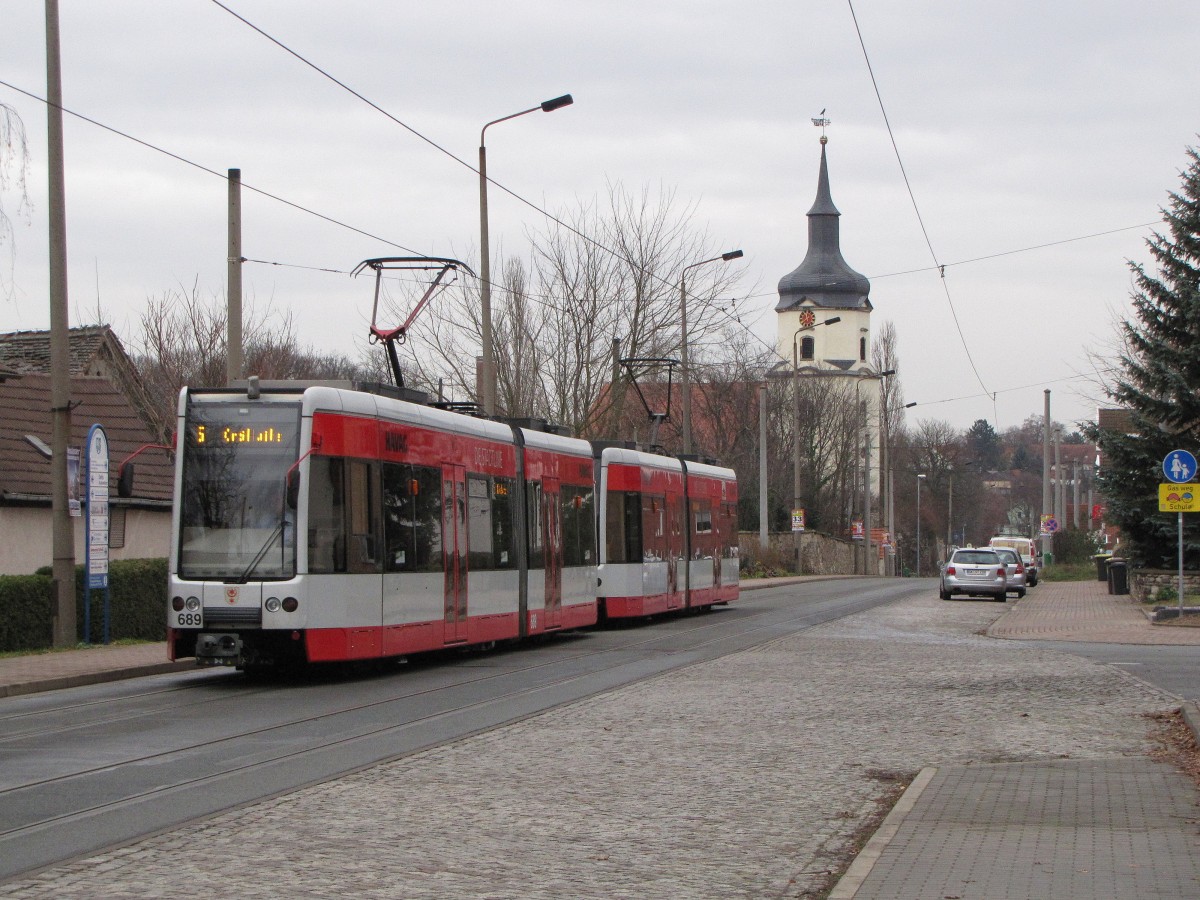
807,319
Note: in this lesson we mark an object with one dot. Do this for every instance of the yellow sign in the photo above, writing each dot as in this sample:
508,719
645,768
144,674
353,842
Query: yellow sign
797,520
1179,498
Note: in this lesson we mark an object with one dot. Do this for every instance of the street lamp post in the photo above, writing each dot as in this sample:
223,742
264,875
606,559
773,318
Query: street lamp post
488,375
685,378
881,377
920,478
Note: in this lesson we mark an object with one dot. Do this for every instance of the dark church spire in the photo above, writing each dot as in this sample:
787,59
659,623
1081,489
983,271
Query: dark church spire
824,278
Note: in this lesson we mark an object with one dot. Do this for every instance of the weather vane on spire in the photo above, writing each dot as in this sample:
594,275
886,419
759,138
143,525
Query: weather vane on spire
820,122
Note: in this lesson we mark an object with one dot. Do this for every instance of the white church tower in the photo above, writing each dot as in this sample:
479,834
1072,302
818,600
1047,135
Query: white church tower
823,287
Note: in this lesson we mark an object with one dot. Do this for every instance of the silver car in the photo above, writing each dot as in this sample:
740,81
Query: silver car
976,573
1016,570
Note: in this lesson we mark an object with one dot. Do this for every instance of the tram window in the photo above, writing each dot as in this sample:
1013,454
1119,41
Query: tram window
326,516
479,522
702,516
579,530
533,518
614,527
363,555
654,518
427,519
675,538
399,516
587,527
504,549
623,528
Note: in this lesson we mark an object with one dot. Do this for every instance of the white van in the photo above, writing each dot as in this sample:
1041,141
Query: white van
1025,548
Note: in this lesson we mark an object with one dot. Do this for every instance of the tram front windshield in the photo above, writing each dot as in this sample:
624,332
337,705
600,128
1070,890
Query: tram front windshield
235,523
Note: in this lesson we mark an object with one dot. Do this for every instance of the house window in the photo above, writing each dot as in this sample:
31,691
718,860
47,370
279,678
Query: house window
807,348
862,349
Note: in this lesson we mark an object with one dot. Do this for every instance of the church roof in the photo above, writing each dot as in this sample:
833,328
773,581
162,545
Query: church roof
824,279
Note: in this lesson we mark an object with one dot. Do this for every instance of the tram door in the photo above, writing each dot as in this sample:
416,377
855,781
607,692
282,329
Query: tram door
552,529
676,552
454,549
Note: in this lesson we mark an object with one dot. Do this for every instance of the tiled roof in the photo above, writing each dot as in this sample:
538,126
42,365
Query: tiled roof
25,409
28,352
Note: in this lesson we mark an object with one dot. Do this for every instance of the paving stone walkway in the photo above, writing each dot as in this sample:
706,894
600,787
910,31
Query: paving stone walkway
747,776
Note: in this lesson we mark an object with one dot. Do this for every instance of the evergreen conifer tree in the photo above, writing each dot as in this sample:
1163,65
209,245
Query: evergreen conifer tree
1159,383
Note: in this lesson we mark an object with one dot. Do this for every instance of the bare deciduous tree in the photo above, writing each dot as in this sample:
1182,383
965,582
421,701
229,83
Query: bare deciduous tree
602,273
14,175
183,341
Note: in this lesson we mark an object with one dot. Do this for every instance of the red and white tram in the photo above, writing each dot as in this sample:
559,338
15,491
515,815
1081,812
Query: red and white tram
323,524
670,534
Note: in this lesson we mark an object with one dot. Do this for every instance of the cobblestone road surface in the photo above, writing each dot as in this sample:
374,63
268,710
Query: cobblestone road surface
743,777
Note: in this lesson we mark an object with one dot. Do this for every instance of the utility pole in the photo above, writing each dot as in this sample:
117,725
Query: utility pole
1075,493
867,556
234,280
1046,508
764,539
1060,486
63,571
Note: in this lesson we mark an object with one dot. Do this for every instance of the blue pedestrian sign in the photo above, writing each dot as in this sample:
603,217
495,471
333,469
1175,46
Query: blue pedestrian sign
1179,466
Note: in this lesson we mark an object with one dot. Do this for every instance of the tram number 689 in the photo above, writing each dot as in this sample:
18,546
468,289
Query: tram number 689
189,618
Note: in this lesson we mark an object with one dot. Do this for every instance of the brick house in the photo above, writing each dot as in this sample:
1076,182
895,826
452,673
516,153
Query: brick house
104,390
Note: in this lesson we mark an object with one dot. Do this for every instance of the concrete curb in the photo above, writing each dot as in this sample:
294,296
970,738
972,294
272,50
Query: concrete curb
754,584
848,885
1191,716
85,678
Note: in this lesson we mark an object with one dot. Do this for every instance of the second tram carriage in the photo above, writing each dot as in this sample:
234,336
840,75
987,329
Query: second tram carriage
317,524
669,533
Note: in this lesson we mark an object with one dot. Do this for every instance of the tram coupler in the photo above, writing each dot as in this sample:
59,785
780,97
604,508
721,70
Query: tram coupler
218,650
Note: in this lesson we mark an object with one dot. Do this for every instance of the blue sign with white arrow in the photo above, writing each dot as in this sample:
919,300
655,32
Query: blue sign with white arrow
1179,466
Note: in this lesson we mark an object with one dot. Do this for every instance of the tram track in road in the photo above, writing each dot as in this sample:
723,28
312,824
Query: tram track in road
206,775
749,624
103,707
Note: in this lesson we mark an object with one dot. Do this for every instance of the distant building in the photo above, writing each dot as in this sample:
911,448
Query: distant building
105,391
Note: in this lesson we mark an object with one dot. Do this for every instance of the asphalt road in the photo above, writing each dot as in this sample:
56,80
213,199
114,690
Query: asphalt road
93,767
1170,667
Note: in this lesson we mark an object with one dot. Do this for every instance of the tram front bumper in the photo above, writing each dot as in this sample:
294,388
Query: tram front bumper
218,649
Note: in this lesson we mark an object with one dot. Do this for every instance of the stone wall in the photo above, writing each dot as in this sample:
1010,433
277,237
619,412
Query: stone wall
1144,583
820,554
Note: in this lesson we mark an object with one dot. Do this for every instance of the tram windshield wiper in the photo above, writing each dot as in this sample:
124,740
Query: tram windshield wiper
276,532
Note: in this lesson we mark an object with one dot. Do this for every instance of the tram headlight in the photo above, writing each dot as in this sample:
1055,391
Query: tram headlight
272,604
177,604
193,603
290,604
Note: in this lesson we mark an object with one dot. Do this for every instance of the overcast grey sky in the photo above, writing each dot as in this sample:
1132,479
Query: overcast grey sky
1019,124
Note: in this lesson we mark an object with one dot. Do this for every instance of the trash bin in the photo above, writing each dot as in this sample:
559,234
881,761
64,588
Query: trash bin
1118,582
1102,565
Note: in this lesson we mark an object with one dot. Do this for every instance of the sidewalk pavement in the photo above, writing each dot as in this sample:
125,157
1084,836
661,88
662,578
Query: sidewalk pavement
1074,827
1119,828
52,671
